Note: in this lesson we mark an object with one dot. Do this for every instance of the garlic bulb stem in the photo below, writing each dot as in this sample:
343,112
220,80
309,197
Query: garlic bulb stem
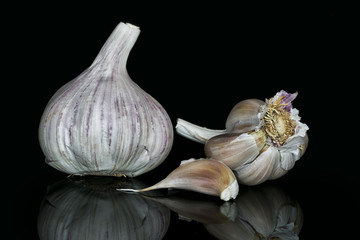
116,50
196,133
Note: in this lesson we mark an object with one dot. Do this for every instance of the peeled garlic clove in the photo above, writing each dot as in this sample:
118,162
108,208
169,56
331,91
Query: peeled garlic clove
260,169
235,149
203,176
102,122
243,116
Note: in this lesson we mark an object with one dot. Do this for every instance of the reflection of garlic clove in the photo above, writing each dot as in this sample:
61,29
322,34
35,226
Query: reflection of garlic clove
262,140
102,123
263,213
204,176
94,210
201,210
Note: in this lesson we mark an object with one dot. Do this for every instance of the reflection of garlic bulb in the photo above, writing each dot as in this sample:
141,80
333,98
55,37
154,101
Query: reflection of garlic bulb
262,140
95,211
102,123
265,213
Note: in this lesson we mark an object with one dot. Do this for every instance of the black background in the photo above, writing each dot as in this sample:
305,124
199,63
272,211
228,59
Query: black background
198,61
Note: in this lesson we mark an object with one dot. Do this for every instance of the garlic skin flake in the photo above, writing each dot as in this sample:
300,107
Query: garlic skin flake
262,140
102,123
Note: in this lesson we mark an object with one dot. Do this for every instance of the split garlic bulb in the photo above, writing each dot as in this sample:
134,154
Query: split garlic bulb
102,122
262,140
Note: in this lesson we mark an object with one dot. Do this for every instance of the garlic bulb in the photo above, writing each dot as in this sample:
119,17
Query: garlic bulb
95,211
262,140
102,122
202,175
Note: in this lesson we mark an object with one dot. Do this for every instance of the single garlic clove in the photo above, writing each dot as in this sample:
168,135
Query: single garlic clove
243,116
260,169
235,149
102,123
203,176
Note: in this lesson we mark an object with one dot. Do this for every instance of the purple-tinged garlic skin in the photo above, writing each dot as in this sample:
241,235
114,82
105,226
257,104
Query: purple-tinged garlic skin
102,123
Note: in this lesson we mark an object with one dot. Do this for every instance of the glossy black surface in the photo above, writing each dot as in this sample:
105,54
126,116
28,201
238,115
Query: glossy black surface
198,62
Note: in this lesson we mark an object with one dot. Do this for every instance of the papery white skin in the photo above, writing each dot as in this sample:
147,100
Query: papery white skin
102,122
243,148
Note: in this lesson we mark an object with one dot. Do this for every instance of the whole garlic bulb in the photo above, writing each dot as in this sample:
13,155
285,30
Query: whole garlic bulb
102,122
262,140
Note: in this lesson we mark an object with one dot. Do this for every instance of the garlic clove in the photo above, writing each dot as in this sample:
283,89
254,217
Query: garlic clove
102,123
235,149
287,161
203,176
277,172
260,169
243,116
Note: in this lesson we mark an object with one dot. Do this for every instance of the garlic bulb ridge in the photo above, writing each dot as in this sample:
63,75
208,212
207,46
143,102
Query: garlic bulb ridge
102,122
262,140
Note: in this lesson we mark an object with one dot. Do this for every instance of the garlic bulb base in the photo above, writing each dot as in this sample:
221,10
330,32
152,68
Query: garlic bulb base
194,132
101,173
